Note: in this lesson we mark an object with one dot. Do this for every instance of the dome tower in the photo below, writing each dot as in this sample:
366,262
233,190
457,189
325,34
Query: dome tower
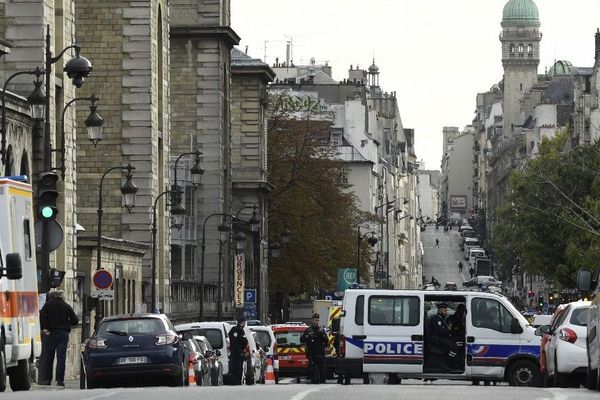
520,40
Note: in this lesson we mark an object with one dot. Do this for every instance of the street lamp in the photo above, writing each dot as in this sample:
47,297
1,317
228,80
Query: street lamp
35,99
223,229
129,189
240,242
275,249
174,211
93,123
286,236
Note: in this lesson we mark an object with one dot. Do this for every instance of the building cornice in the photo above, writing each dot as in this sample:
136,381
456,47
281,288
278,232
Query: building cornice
225,33
263,71
118,245
263,187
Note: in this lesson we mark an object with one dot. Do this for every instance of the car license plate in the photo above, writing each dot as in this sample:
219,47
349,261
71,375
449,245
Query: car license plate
132,360
285,358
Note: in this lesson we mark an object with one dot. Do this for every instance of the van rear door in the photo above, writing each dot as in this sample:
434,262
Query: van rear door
394,332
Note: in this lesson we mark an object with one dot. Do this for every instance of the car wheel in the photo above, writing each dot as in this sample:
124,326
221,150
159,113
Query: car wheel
2,367
524,373
19,376
592,378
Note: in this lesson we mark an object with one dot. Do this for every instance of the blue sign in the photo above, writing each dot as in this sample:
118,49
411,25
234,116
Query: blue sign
249,296
249,310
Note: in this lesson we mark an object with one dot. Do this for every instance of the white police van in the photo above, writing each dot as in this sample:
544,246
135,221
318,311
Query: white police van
384,338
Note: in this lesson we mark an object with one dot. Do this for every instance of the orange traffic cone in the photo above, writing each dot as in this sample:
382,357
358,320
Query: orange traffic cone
270,375
191,374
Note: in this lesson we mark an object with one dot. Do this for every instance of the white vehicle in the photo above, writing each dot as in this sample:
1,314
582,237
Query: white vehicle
215,333
541,320
473,254
588,281
20,324
253,373
266,337
471,243
566,351
385,337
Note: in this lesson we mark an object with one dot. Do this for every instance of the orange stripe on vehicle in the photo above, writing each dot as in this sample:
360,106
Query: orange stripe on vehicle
18,304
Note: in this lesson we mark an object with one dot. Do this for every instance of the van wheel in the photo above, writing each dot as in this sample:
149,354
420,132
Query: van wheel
19,376
524,373
2,366
366,379
347,379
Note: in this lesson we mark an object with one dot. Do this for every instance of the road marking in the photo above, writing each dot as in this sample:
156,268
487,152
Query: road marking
100,396
302,395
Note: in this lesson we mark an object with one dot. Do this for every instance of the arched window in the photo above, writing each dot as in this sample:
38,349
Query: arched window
25,165
512,49
529,48
8,170
521,48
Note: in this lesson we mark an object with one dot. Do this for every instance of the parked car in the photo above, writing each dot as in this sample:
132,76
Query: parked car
483,280
589,282
470,243
544,341
473,255
292,358
196,356
214,363
566,351
127,347
255,364
450,286
267,340
216,334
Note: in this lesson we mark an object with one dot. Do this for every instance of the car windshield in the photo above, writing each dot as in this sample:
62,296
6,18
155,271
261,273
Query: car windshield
213,335
137,326
264,338
288,338
580,316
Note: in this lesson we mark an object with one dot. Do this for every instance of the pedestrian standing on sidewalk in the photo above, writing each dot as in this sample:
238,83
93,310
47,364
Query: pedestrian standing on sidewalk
56,319
437,242
471,272
460,266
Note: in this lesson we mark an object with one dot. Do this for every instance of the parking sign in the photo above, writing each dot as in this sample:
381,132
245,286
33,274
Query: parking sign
250,296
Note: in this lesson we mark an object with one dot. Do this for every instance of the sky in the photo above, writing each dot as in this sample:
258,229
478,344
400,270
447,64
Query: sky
436,54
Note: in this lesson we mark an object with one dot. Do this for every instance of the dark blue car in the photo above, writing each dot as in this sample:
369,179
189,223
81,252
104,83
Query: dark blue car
139,348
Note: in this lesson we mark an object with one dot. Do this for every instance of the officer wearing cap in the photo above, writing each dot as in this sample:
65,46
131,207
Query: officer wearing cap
316,342
441,335
238,343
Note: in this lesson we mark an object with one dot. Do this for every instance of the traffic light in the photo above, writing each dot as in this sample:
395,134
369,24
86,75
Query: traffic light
541,300
530,294
47,194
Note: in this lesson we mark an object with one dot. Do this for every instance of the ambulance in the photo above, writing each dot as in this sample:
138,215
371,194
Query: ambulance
385,337
20,339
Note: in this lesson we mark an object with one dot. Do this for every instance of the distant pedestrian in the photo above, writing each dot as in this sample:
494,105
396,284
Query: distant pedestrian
56,320
471,272
460,266
437,242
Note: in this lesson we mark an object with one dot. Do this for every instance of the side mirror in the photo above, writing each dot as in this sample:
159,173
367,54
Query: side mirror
187,335
538,332
584,280
209,354
545,330
218,353
266,349
14,268
515,326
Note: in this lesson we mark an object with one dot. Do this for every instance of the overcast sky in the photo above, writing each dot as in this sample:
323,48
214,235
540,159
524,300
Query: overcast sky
436,54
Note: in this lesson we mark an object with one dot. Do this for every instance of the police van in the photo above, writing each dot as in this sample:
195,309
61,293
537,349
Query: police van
385,337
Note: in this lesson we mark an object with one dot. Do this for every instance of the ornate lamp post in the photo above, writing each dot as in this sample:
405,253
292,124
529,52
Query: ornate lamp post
129,189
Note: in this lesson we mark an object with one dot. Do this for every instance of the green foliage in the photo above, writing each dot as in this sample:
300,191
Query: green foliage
309,199
551,225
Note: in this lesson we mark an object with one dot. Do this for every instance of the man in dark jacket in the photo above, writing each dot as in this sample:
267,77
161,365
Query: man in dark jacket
441,336
56,320
316,343
238,343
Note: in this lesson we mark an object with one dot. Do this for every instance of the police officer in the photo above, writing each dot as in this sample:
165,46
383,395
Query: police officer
440,330
316,342
238,343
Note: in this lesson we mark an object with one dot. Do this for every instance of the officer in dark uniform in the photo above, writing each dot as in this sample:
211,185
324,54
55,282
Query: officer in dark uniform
442,336
238,343
316,342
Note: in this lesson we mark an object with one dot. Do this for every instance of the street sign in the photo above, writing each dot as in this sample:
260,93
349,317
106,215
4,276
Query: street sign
56,234
103,294
102,279
250,296
249,311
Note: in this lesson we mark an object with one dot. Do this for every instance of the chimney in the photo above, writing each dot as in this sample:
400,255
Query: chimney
597,52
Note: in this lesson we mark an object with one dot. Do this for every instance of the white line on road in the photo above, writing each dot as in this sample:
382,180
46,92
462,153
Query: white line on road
302,395
100,396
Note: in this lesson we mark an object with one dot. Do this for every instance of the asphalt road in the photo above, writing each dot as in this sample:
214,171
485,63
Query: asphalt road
442,262
411,389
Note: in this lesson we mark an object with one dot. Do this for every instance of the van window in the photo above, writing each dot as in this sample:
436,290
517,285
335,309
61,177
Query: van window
490,314
27,238
213,335
394,310
359,311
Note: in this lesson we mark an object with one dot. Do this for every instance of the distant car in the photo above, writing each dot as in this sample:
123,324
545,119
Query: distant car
196,357
450,286
215,366
216,334
430,286
470,243
489,281
292,357
134,346
566,352
266,338
473,255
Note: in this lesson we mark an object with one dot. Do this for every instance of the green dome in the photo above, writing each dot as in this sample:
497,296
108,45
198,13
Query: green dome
561,68
520,11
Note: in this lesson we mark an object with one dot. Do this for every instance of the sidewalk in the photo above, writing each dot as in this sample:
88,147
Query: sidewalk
71,384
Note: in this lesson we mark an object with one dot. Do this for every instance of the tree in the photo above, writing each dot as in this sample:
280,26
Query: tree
551,225
310,197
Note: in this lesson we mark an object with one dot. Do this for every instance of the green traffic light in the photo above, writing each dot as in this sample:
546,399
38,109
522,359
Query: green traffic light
47,212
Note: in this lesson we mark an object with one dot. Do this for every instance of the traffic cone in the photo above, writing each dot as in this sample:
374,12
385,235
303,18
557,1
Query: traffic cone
270,375
191,374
